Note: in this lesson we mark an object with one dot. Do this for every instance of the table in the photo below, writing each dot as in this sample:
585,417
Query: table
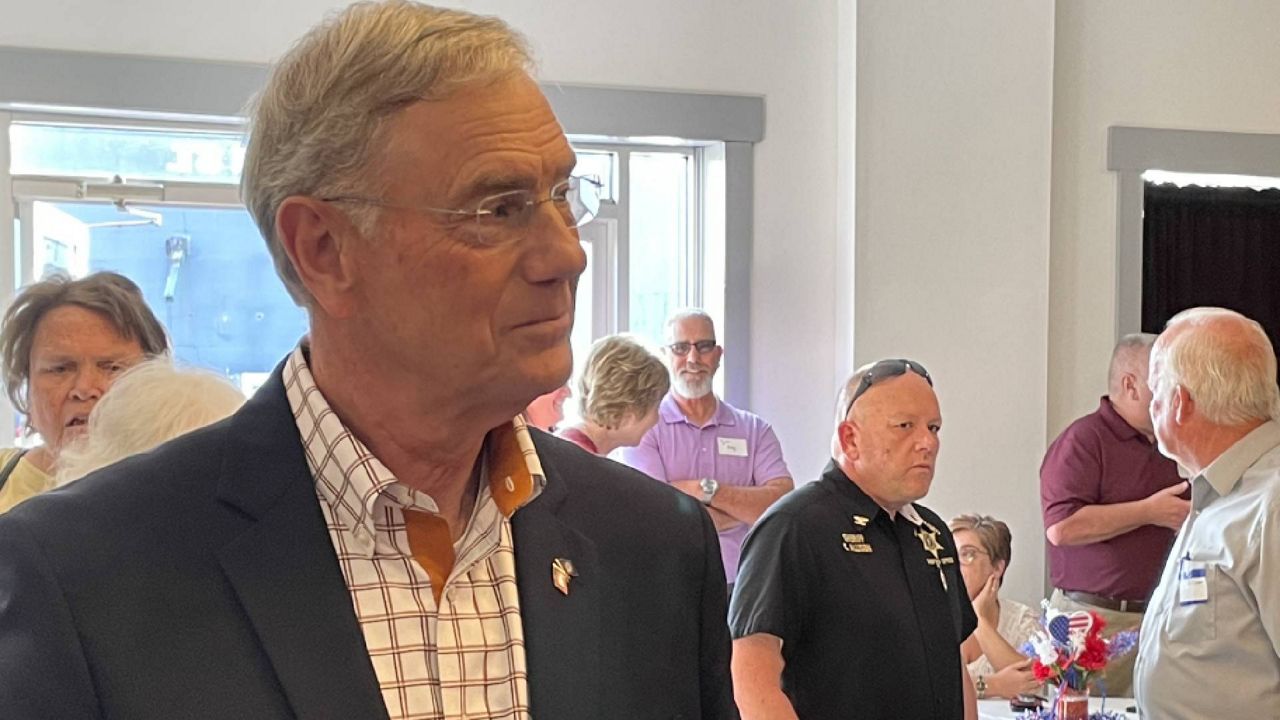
996,709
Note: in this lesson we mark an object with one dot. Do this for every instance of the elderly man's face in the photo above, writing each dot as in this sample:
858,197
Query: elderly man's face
692,371
493,319
892,440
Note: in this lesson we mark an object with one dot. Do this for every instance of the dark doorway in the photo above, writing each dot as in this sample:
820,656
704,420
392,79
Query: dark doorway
1211,246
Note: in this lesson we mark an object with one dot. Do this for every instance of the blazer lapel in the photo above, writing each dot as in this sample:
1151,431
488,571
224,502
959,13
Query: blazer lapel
284,570
561,631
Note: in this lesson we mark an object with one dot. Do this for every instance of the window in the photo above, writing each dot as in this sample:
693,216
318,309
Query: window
158,202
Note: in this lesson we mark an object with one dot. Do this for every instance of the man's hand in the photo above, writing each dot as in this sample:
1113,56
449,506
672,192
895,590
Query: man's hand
1166,508
987,604
1015,679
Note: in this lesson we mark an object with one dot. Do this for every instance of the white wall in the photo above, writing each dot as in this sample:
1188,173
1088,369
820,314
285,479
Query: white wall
954,144
784,51
1189,64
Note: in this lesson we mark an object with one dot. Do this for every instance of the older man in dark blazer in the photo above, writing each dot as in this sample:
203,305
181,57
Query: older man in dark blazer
374,535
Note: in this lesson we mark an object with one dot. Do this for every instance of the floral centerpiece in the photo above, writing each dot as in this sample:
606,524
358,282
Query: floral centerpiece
1069,653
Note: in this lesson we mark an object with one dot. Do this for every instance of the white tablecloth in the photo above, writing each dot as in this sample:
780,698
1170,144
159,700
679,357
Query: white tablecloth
999,709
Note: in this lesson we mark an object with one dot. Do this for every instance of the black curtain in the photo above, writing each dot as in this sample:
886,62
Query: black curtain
1211,246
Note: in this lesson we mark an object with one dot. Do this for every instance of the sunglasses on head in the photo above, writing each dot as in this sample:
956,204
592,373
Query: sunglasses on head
883,370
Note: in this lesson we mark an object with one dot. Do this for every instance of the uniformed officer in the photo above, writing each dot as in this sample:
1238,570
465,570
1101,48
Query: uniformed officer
849,600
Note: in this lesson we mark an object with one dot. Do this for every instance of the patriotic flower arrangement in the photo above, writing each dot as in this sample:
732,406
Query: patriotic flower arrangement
1069,652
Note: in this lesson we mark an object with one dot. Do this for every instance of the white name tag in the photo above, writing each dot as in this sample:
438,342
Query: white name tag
1193,585
737,447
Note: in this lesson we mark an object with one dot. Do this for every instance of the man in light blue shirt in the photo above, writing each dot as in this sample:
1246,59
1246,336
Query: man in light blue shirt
1210,642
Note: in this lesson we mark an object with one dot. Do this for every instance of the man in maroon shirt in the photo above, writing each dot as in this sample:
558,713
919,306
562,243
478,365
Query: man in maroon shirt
1111,505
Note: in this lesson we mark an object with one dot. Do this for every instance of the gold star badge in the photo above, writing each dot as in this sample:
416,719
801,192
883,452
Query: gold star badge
562,571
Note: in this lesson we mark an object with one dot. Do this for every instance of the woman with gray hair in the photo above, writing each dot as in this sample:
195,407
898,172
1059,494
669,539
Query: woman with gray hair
621,386
63,343
151,403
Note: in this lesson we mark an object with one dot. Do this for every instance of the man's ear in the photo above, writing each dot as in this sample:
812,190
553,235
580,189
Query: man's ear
1129,384
847,432
317,238
1183,406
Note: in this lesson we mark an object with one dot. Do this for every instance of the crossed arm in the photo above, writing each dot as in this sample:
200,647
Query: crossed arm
734,505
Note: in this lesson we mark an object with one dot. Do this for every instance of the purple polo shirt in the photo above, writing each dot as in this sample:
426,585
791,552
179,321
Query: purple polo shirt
1100,460
675,449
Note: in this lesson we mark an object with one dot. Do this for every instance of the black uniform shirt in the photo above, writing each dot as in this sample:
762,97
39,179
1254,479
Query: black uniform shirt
868,628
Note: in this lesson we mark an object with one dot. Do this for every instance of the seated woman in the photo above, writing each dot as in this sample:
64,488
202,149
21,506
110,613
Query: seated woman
149,404
63,343
984,545
621,386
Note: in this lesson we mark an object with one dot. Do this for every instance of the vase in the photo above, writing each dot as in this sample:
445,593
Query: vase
1071,704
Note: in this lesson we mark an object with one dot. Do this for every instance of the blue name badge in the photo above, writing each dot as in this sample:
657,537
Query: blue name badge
1193,584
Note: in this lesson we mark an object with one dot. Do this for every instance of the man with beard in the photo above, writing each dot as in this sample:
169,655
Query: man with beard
729,459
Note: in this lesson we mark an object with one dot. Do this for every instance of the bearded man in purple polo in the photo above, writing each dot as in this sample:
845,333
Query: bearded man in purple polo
729,459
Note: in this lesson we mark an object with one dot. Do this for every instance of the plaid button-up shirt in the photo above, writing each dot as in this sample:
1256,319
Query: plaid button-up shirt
463,657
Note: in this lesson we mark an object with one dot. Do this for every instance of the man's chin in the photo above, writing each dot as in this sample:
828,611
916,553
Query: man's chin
692,392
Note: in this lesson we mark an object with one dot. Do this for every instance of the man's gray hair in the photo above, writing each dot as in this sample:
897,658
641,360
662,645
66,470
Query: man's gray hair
318,126
1225,362
680,316
1128,349
152,402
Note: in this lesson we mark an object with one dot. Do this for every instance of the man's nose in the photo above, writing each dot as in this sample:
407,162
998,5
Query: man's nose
556,252
928,441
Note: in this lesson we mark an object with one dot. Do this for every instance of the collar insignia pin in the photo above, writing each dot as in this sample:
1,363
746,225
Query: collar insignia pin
562,571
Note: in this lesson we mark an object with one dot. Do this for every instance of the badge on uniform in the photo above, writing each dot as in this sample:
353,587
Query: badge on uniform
855,543
928,535
861,520
1193,582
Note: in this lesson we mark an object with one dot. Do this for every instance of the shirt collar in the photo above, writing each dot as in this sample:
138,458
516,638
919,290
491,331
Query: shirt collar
862,502
353,480
670,413
1226,470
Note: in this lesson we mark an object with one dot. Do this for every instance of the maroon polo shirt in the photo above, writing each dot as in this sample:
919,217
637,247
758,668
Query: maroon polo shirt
1100,460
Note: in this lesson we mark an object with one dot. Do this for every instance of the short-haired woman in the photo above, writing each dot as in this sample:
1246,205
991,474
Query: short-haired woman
63,343
985,547
621,386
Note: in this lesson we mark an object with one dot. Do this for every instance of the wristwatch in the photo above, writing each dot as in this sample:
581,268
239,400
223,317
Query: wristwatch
981,686
709,487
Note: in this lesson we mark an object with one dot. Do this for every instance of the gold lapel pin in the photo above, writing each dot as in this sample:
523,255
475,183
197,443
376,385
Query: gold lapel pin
562,571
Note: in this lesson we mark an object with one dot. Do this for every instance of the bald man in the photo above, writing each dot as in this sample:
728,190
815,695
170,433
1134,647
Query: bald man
1111,504
850,601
